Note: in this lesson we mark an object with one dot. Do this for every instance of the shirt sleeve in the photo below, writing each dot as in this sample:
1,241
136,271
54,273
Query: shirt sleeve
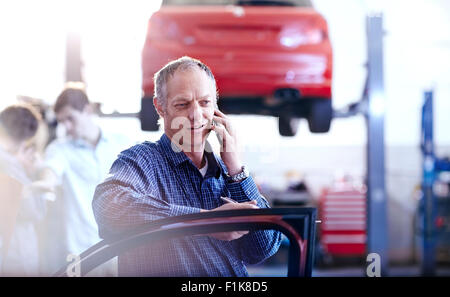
246,190
129,198
256,246
55,159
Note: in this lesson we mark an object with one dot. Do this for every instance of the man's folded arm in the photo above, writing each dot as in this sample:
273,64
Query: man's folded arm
126,200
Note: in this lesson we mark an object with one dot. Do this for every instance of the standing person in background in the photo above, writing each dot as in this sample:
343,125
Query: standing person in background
75,164
20,207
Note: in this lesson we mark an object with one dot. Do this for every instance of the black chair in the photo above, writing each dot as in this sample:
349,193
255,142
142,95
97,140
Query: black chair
298,224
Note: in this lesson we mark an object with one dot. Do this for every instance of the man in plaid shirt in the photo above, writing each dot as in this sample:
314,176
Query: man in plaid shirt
179,174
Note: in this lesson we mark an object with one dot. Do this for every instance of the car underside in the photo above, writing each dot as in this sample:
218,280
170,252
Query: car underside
269,58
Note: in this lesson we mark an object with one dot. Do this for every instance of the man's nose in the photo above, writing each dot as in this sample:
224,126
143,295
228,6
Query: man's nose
195,112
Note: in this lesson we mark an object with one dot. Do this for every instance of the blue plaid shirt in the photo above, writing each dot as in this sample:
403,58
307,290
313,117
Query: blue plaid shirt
151,181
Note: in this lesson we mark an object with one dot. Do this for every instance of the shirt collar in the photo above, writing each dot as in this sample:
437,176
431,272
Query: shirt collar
84,143
214,168
177,157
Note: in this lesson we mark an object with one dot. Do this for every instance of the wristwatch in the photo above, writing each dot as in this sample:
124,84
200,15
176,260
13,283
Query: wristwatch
240,176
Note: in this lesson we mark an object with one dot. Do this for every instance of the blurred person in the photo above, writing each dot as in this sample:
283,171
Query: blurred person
179,174
75,164
21,209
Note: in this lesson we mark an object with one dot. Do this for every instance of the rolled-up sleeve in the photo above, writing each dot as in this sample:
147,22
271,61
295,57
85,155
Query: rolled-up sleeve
55,159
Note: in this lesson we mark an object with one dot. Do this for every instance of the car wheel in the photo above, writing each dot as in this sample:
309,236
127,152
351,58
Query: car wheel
288,126
148,115
320,114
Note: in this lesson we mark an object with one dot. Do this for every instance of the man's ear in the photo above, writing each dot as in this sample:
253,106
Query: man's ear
158,107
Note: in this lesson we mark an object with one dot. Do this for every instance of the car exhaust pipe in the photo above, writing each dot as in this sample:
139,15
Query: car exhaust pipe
288,95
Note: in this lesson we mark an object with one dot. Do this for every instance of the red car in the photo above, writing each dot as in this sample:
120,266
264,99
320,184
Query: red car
269,57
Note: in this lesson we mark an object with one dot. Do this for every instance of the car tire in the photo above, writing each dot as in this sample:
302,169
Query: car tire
288,126
148,115
320,114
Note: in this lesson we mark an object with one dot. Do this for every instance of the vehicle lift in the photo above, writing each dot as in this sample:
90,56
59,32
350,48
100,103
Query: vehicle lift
372,106
432,166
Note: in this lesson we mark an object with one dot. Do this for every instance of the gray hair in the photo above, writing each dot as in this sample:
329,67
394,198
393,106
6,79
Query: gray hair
162,76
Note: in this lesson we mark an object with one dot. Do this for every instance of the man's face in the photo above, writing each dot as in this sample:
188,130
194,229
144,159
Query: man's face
75,122
191,100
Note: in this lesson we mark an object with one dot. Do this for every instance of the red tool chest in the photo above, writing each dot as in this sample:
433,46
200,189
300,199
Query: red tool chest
342,210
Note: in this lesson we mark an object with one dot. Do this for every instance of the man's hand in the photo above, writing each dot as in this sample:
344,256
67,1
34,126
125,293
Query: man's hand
227,236
42,186
45,185
228,140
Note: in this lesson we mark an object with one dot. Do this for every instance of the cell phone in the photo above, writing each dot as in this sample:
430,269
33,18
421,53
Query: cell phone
216,123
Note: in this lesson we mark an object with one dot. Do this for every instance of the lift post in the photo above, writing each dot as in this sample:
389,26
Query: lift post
376,194
377,230
429,176
431,166
372,106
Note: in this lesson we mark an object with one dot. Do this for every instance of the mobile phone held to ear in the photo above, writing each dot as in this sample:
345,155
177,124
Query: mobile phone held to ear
215,123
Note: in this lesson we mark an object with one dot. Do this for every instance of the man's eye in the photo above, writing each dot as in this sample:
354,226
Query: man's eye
205,102
180,105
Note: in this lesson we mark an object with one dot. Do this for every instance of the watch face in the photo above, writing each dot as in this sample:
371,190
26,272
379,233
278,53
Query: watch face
240,176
